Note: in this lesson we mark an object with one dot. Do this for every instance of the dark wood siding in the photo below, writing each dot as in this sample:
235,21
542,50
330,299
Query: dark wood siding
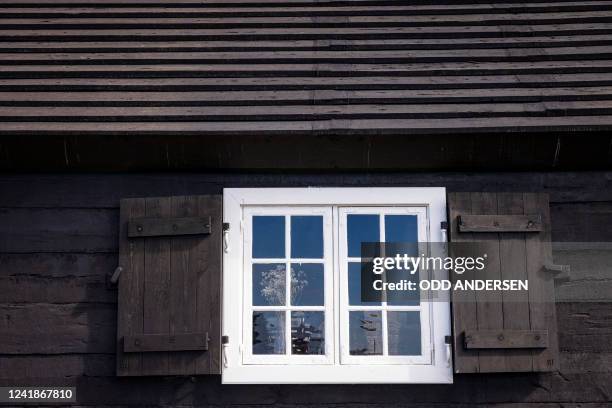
309,67
58,325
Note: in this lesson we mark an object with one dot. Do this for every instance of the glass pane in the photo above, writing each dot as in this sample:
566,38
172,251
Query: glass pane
307,236
401,228
354,286
268,236
268,332
404,330
365,333
269,284
307,284
404,297
307,333
361,228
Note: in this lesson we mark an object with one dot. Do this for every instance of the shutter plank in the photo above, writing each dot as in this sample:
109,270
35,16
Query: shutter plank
182,298
131,287
208,280
157,287
464,302
488,303
541,285
515,305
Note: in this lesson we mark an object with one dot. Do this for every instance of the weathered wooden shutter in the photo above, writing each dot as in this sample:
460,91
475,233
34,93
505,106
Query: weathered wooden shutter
169,286
505,331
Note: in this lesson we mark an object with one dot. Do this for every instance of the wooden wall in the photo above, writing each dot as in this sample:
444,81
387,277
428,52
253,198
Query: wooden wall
58,239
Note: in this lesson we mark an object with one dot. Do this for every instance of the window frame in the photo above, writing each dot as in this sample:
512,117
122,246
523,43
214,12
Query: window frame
235,371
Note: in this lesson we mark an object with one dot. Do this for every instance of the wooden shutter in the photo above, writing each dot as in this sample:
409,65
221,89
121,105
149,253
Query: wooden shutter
169,286
505,331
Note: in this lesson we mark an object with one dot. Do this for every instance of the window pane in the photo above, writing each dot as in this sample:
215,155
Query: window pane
354,286
268,236
307,333
361,228
307,236
365,333
403,297
401,228
269,284
404,330
268,332
307,284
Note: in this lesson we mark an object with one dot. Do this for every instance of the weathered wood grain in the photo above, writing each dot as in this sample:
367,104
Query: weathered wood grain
506,339
54,230
304,48
44,328
168,226
500,223
56,278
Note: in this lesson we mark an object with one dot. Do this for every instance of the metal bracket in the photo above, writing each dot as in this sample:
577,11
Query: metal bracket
561,272
226,227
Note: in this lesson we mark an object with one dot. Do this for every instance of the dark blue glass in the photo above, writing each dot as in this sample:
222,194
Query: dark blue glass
401,228
365,333
307,236
361,228
307,332
268,332
268,236
307,285
404,331
354,286
269,284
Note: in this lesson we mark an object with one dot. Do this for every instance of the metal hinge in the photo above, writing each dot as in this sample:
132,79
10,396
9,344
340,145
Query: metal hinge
226,228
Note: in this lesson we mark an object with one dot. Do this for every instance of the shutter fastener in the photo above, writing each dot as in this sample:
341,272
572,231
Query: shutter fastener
113,278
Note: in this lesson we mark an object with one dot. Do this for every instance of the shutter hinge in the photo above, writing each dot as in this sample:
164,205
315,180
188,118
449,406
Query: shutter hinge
448,340
444,231
226,228
224,345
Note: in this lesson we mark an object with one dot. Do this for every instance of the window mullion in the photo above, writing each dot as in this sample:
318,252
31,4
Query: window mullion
288,285
384,303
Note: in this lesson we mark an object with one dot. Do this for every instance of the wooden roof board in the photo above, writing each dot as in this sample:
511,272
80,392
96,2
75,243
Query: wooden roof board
273,66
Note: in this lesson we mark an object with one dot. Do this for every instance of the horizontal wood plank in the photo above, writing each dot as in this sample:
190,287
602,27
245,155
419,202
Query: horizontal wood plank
280,66
500,223
161,342
505,339
155,227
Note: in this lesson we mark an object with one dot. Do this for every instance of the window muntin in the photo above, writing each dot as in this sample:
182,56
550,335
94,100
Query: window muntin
288,281
382,332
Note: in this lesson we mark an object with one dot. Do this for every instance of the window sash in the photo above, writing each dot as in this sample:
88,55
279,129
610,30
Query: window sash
328,285
424,307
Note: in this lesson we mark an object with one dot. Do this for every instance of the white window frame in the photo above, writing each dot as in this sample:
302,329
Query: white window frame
239,368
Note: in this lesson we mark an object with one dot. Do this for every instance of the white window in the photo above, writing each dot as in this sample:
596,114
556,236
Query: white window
292,310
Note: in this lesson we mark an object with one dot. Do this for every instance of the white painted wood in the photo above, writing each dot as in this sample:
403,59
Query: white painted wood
430,201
